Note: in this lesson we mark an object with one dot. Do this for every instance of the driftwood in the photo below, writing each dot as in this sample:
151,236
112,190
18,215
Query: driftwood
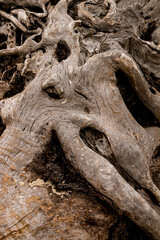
77,59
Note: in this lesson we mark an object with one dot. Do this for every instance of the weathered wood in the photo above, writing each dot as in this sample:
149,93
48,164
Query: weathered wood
74,66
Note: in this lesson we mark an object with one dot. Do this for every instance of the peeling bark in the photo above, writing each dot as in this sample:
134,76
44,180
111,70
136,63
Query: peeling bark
86,74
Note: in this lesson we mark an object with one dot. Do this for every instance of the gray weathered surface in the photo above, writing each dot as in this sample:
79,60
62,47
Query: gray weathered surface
75,57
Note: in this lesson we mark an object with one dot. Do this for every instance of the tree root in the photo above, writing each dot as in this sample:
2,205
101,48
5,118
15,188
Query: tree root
15,22
104,177
28,46
152,45
67,98
138,82
98,23
122,61
135,155
40,15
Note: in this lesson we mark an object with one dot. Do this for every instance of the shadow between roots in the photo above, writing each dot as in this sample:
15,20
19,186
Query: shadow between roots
53,166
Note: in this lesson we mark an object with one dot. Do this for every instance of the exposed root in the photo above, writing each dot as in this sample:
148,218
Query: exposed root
15,21
67,98
122,61
127,64
112,7
152,45
28,46
121,142
104,177
40,15
136,164
97,22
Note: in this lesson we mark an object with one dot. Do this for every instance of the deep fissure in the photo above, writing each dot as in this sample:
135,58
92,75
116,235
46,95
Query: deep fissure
52,165
139,111
2,126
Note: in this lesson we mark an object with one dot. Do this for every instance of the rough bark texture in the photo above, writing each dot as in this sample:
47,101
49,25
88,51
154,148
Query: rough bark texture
80,113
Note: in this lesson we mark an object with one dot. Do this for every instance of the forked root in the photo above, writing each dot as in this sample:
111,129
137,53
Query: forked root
119,60
105,178
138,82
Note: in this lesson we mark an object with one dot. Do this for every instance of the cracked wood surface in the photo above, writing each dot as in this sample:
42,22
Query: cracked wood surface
69,67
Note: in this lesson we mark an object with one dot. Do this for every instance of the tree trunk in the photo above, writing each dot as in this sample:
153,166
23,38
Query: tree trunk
80,113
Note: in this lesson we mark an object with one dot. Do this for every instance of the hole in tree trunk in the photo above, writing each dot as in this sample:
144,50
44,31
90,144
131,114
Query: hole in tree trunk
38,38
98,142
139,111
126,230
62,51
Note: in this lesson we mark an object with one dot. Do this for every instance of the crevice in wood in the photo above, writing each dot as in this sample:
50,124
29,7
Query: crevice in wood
38,38
146,35
54,2
140,112
155,82
98,142
3,40
3,46
18,86
72,9
18,37
2,126
3,37
35,9
52,165
125,229
81,94
155,166
52,93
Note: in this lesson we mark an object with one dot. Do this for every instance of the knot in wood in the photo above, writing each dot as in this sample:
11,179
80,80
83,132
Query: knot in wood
53,88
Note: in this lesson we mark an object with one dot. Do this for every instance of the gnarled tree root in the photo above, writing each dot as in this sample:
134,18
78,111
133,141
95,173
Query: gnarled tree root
104,177
28,46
